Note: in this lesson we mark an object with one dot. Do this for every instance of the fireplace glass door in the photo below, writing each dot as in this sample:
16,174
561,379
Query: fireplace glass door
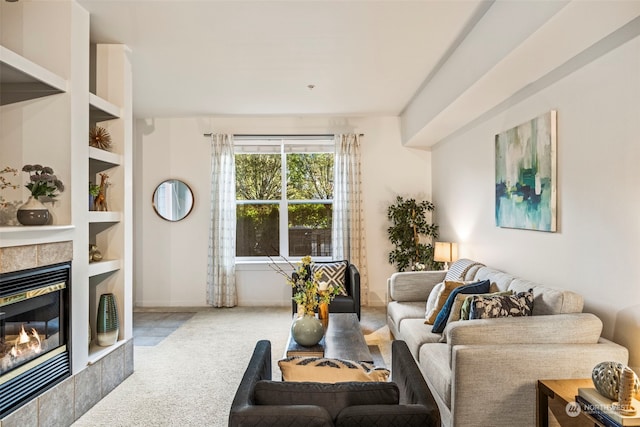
30,328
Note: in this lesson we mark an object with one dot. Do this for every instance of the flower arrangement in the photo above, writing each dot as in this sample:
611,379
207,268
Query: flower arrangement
309,291
43,182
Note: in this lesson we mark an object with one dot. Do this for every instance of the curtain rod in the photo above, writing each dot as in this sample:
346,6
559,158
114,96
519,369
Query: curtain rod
281,136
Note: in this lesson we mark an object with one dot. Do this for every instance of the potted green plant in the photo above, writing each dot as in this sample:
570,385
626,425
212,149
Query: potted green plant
94,190
411,234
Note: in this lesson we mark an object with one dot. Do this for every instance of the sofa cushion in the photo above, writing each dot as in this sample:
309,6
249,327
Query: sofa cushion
548,300
332,397
443,315
326,370
334,273
398,311
500,280
387,415
415,333
488,307
573,328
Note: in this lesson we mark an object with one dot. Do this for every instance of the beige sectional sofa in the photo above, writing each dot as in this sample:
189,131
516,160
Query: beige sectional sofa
483,372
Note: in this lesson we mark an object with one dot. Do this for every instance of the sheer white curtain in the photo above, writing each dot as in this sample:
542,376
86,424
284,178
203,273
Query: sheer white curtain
221,271
348,233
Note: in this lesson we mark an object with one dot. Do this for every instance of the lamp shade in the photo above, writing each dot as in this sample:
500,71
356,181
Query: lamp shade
445,252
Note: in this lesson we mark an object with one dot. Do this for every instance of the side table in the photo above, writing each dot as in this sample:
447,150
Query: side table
554,395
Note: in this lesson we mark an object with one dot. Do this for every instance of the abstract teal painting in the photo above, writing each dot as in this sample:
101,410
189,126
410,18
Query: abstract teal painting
526,175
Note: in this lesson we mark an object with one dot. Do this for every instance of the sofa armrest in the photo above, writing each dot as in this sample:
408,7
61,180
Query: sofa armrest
354,283
413,285
571,328
486,379
259,368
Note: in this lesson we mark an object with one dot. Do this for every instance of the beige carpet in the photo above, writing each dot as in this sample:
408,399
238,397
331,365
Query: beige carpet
190,377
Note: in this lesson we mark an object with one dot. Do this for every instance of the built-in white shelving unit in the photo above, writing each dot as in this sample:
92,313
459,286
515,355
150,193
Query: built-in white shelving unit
110,108
47,106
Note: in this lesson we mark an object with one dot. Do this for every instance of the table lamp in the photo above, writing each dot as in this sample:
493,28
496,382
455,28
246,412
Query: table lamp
445,252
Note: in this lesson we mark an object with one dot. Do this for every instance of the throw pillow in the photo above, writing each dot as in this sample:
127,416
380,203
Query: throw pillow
464,309
333,273
517,305
433,299
332,397
443,315
326,370
443,294
456,308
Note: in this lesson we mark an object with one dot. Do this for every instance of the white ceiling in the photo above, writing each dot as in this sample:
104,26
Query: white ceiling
239,57
439,65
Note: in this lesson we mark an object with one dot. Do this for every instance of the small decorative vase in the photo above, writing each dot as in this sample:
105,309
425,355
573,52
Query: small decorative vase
307,330
323,314
92,199
33,212
108,324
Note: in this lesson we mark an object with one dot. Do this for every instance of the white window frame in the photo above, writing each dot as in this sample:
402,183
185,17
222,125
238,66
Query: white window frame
283,146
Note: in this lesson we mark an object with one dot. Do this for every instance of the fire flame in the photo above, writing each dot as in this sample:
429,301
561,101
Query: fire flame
26,343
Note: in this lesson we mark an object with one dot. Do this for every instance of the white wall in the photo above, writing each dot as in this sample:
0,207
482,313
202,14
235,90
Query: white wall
171,258
595,251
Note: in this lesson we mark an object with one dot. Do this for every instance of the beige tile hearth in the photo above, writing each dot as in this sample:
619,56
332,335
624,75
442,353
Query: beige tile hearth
16,258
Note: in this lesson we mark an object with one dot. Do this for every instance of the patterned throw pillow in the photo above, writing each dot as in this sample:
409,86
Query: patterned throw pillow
488,307
333,273
325,370
466,303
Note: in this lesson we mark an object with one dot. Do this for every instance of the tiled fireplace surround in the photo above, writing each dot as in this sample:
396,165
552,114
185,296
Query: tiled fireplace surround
68,400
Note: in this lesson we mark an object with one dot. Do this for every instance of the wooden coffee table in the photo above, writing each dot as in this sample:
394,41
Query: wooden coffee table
343,339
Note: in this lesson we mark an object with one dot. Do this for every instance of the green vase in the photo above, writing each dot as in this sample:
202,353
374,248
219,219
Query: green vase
307,330
108,324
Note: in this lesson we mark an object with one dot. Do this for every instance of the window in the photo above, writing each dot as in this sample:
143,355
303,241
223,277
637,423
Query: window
284,197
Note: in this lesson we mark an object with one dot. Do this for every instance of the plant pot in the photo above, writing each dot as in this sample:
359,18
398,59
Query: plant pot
108,325
33,212
307,330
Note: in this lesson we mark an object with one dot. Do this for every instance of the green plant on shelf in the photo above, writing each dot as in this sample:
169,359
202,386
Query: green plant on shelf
94,189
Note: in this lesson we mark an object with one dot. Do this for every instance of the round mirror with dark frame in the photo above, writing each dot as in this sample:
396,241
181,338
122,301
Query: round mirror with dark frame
172,200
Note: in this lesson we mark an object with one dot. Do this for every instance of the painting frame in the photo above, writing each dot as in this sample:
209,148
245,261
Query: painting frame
525,175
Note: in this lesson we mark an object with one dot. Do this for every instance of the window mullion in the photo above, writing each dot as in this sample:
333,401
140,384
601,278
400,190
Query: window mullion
284,208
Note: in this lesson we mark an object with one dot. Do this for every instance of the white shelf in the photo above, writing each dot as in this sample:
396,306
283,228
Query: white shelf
22,79
104,266
32,235
101,216
96,352
107,157
100,109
